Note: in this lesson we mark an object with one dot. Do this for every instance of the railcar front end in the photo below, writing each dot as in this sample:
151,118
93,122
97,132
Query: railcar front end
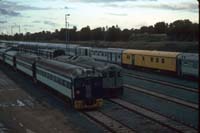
88,93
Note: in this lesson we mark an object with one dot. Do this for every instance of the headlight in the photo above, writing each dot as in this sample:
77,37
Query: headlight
77,92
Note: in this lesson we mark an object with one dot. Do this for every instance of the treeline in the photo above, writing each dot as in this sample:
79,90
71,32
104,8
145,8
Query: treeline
180,30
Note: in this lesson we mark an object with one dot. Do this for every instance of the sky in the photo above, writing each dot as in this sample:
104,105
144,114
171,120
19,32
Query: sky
38,15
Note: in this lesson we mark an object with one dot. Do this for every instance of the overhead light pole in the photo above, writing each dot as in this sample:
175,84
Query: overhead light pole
66,26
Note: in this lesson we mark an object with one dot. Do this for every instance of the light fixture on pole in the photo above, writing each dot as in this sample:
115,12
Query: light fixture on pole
66,26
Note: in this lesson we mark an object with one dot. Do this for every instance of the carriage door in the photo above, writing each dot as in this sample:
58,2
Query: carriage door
86,52
133,59
110,57
88,90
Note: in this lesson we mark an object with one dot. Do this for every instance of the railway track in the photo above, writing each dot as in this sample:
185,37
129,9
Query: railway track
110,124
169,98
163,120
161,82
161,104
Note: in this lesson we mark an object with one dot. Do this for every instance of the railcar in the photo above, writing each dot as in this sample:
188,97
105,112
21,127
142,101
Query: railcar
189,64
99,54
112,55
112,78
82,86
115,55
158,60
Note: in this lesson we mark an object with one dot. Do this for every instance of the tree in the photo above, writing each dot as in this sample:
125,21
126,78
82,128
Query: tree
160,27
113,34
85,34
182,30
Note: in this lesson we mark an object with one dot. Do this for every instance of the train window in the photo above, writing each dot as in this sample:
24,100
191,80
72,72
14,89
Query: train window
163,60
128,57
152,59
119,56
41,73
111,74
64,83
50,76
104,75
195,65
143,58
57,79
70,85
119,74
157,60
54,78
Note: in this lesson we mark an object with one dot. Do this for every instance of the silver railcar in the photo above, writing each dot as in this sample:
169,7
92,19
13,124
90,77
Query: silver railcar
82,86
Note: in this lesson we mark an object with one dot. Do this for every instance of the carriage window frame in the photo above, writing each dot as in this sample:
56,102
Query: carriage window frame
112,74
195,65
163,60
104,74
152,59
143,58
119,74
157,60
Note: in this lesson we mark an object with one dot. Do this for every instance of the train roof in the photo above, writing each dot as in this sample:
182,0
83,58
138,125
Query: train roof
28,57
190,56
84,47
117,49
2,50
111,50
151,52
47,50
12,53
66,69
86,61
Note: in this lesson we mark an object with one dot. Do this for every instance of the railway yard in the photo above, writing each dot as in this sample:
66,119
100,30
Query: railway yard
150,103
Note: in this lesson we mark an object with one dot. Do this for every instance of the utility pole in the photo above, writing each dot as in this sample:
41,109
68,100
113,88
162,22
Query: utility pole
66,26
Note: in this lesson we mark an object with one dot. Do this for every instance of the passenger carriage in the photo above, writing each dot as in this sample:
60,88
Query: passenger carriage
157,60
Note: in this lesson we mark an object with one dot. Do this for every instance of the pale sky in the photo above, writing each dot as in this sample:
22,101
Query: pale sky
38,15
